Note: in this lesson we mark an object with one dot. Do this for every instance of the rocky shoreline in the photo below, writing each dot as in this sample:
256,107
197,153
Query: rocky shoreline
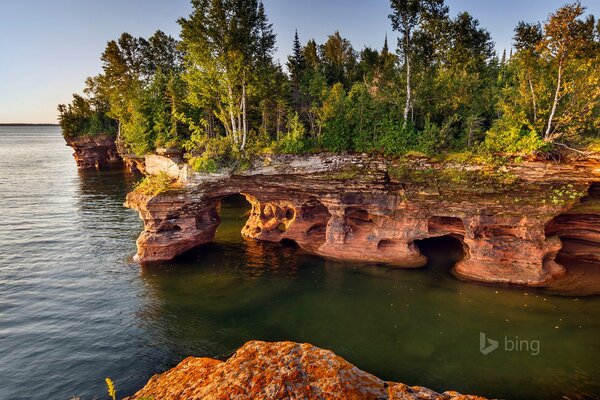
521,224
280,370
94,151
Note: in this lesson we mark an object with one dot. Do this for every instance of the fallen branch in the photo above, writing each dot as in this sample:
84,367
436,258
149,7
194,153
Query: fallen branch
585,153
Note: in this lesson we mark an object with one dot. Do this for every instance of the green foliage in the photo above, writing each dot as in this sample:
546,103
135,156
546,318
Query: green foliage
396,137
83,117
220,97
295,140
512,137
564,194
204,164
210,154
153,185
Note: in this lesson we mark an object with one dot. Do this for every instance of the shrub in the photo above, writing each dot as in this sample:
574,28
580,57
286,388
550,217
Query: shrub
153,185
395,137
204,164
513,138
294,141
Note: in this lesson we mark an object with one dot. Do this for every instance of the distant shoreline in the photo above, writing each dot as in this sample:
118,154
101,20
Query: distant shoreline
26,124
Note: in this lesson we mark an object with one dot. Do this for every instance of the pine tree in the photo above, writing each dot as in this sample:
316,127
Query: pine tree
385,50
296,65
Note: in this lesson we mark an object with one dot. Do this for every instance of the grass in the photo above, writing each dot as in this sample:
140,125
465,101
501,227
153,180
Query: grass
153,185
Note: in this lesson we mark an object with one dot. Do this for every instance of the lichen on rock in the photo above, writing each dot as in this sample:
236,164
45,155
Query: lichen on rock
281,370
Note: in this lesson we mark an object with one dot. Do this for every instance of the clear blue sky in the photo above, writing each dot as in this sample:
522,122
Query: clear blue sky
48,48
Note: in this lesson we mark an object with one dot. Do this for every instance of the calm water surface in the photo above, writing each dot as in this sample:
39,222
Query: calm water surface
75,309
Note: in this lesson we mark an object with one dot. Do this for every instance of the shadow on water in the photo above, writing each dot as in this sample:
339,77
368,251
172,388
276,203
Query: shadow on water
419,326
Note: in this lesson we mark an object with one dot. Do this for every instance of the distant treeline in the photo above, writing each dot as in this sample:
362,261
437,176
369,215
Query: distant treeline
218,94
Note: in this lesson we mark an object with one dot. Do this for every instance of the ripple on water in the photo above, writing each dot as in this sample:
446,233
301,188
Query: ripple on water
74,309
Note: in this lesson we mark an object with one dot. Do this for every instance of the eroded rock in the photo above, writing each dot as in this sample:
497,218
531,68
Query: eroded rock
282,370
94,151
514,225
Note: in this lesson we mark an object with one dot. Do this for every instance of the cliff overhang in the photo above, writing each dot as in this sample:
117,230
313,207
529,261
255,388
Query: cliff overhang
94,151
517,224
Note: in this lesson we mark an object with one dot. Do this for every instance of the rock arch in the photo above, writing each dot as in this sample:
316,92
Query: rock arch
578,230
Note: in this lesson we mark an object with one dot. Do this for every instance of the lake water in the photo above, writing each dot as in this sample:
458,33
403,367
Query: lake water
75,308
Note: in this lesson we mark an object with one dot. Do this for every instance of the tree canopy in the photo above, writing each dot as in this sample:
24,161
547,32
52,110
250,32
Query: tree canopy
218,95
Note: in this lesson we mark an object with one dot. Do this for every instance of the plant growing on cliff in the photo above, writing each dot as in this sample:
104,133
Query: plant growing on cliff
153,185
554,89
85,117
446,91
565,194
294,141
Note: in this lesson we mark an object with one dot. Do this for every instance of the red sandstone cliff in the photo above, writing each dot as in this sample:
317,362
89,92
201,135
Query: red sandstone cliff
520,224
283,370
94,151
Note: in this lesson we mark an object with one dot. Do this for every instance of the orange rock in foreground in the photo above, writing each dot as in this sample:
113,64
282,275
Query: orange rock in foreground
282,370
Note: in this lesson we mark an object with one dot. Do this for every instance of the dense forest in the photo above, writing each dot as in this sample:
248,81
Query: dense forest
218,95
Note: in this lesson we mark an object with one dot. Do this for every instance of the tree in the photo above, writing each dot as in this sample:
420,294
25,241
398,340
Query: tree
84,117
407,16
296,65
311,55
470,47
527,39
562,40
226,43
338,60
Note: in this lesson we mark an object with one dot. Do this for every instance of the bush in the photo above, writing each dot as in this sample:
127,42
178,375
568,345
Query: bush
337,135
294,141
153,185
208,155
512,137
204,164
395,137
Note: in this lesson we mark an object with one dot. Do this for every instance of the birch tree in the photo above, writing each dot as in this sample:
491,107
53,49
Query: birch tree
407,17
227,44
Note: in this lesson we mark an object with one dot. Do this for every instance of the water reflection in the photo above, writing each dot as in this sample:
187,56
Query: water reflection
415,326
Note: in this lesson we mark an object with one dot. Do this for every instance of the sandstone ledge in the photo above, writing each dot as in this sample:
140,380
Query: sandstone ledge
94,151
516,225
282,370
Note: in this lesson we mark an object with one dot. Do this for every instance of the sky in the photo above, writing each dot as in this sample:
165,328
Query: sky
48,48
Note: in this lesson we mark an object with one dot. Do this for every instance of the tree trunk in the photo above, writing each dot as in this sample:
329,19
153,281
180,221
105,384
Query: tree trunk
278,129
554,103
244,117
232,114
408,88
532,98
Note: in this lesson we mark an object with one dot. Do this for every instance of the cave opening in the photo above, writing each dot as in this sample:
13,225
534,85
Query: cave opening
289,243
579,231
445,249
234,211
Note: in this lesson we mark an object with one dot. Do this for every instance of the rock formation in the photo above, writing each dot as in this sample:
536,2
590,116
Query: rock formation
519,224
282,370
94,151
